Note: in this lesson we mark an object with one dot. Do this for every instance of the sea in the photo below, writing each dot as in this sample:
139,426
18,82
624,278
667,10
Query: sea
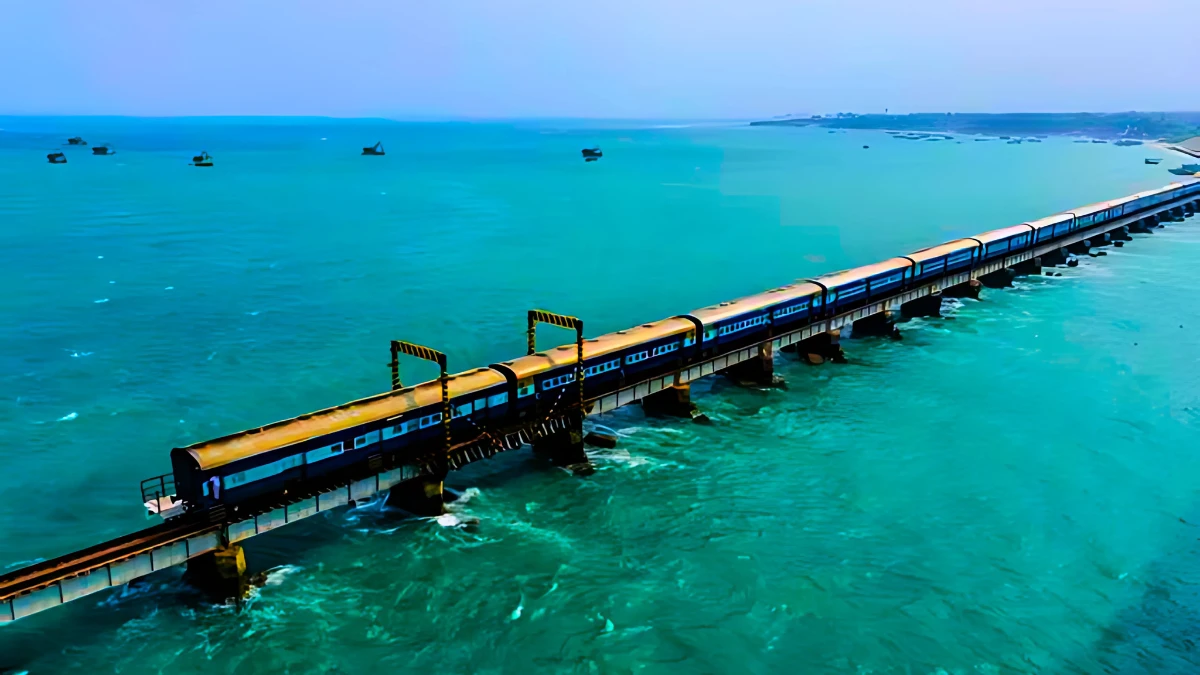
1010,488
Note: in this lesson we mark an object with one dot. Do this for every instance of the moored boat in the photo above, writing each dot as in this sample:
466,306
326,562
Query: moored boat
376,149
202,159
57,158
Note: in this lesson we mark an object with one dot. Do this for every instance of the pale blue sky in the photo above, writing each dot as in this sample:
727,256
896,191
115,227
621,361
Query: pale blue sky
593,58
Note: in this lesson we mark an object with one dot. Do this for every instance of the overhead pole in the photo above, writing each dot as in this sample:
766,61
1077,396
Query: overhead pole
425,353
537,316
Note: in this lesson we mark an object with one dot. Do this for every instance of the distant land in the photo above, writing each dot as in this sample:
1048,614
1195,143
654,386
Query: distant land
1169,126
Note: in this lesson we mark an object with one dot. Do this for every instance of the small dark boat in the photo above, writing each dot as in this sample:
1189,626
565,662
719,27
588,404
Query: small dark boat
102,150
592,153
1194,168
1097,140
866,147
376,149
76,141
1153,160
57,158
202,159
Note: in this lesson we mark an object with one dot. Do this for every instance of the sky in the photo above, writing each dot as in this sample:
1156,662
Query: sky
647,59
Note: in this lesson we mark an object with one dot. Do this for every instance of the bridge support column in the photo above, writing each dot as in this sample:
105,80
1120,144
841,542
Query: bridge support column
674,401
220,574
969,289
422,496
882,324
758,371
1033,266
821,348
999,279
1080,247
1177,214
564,448
929,305
1120,234
1189,209
1054,258
1102,239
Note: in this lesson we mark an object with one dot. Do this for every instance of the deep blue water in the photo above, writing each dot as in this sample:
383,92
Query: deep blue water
1008,489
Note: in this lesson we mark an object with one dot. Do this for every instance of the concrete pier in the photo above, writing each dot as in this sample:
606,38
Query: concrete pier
928,305
674,401
821,348
1033,266
564,448
221,573
969,289
882,324
758,371
1054,258
999,279
422,496
1120,234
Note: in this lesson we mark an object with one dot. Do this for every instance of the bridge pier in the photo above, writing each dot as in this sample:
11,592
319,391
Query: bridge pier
1080,247
999,279
1033,266
564,448
821,348
1102,239
882,324
1054,258
969,289
928,305
758,371
674,401
1120,234
221,573
422,496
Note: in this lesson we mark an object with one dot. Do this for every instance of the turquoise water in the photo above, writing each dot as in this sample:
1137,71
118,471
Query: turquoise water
1008,489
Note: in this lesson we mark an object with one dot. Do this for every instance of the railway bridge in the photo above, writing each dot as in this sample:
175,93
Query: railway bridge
207,536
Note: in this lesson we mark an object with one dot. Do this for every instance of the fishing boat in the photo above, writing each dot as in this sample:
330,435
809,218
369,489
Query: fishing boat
376,149
102,150
1153,160
202,159
1186,170
592,153
57,158
76,141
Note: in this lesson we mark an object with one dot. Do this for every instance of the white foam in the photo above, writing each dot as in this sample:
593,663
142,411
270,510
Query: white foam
69,417
169,288
278,575
101,301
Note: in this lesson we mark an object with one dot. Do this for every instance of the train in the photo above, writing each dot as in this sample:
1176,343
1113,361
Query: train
258,463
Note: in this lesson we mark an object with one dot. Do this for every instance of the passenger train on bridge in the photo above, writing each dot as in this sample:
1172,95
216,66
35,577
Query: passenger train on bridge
268,460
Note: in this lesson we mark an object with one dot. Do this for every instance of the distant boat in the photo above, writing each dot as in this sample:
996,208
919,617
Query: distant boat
866,147
1082,140
592,153
376,149
1015,141
1005,138
76,141
1186,170
102,150
57,158
1097,140
1153,160
202,159
1194,168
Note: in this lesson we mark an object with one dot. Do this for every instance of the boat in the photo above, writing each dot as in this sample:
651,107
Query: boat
202,159
592,153
1097,140
102,150
76,141
866,147
57,158
1194,168
376,149
1153,160
1183,171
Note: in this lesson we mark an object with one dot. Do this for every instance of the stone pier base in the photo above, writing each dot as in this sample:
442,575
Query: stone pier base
821,348
1033,266
969,289
674,401
221,574
1120,234
882,324
999,279
758,371
1054,258
929,305
564,448
421,496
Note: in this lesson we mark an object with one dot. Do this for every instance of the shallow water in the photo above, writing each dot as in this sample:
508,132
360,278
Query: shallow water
1008,489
